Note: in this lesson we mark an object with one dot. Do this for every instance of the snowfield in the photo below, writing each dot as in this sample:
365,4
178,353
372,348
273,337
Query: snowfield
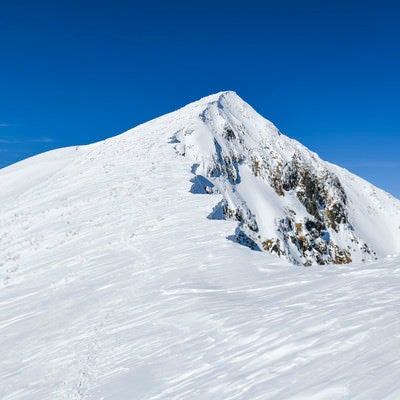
117,284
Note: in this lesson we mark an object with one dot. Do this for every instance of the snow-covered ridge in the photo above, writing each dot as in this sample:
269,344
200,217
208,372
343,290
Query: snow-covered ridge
285,198
117,283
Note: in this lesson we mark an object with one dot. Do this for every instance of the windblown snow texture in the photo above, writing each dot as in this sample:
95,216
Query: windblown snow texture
123,275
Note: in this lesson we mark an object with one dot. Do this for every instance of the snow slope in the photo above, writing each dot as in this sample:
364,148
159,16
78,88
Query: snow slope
287,200
120,281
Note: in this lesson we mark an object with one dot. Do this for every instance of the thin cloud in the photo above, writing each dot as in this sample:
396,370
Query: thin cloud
43,140
4,125
27,141
375,164
6,141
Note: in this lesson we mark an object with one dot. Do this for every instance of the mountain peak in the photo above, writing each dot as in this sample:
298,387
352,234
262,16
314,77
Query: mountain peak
282,197
220,96
155,265
285,199
227,99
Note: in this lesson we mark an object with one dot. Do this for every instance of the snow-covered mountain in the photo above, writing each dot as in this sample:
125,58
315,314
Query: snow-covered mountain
284,197
124,276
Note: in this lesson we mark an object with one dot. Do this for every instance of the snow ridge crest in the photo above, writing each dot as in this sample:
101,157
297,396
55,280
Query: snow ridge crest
286,200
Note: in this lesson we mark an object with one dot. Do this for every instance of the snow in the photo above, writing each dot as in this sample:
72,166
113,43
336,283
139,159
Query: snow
116,285
376,214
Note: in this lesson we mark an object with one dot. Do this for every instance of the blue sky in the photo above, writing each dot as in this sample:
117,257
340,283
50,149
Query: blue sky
326,73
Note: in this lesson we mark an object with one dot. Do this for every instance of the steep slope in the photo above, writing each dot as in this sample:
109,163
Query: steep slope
285,198
117,283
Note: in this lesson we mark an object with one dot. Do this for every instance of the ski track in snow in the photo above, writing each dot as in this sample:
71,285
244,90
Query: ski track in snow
116,286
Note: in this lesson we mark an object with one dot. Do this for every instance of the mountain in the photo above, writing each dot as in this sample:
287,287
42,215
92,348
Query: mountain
158,264
285,198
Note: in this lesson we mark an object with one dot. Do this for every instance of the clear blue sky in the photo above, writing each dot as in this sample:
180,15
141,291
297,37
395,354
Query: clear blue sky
325,72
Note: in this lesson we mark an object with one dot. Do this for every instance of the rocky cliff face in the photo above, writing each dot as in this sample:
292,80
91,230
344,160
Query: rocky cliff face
286,200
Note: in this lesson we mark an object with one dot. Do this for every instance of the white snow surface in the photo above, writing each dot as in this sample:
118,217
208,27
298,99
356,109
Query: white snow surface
115,284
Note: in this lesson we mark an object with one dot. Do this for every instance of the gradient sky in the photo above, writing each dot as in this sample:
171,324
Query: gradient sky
326,73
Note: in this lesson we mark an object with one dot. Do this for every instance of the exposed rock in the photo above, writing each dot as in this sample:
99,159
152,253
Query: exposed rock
296,175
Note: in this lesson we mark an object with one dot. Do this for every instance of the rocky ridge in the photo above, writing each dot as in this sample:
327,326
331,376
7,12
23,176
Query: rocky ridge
309,221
